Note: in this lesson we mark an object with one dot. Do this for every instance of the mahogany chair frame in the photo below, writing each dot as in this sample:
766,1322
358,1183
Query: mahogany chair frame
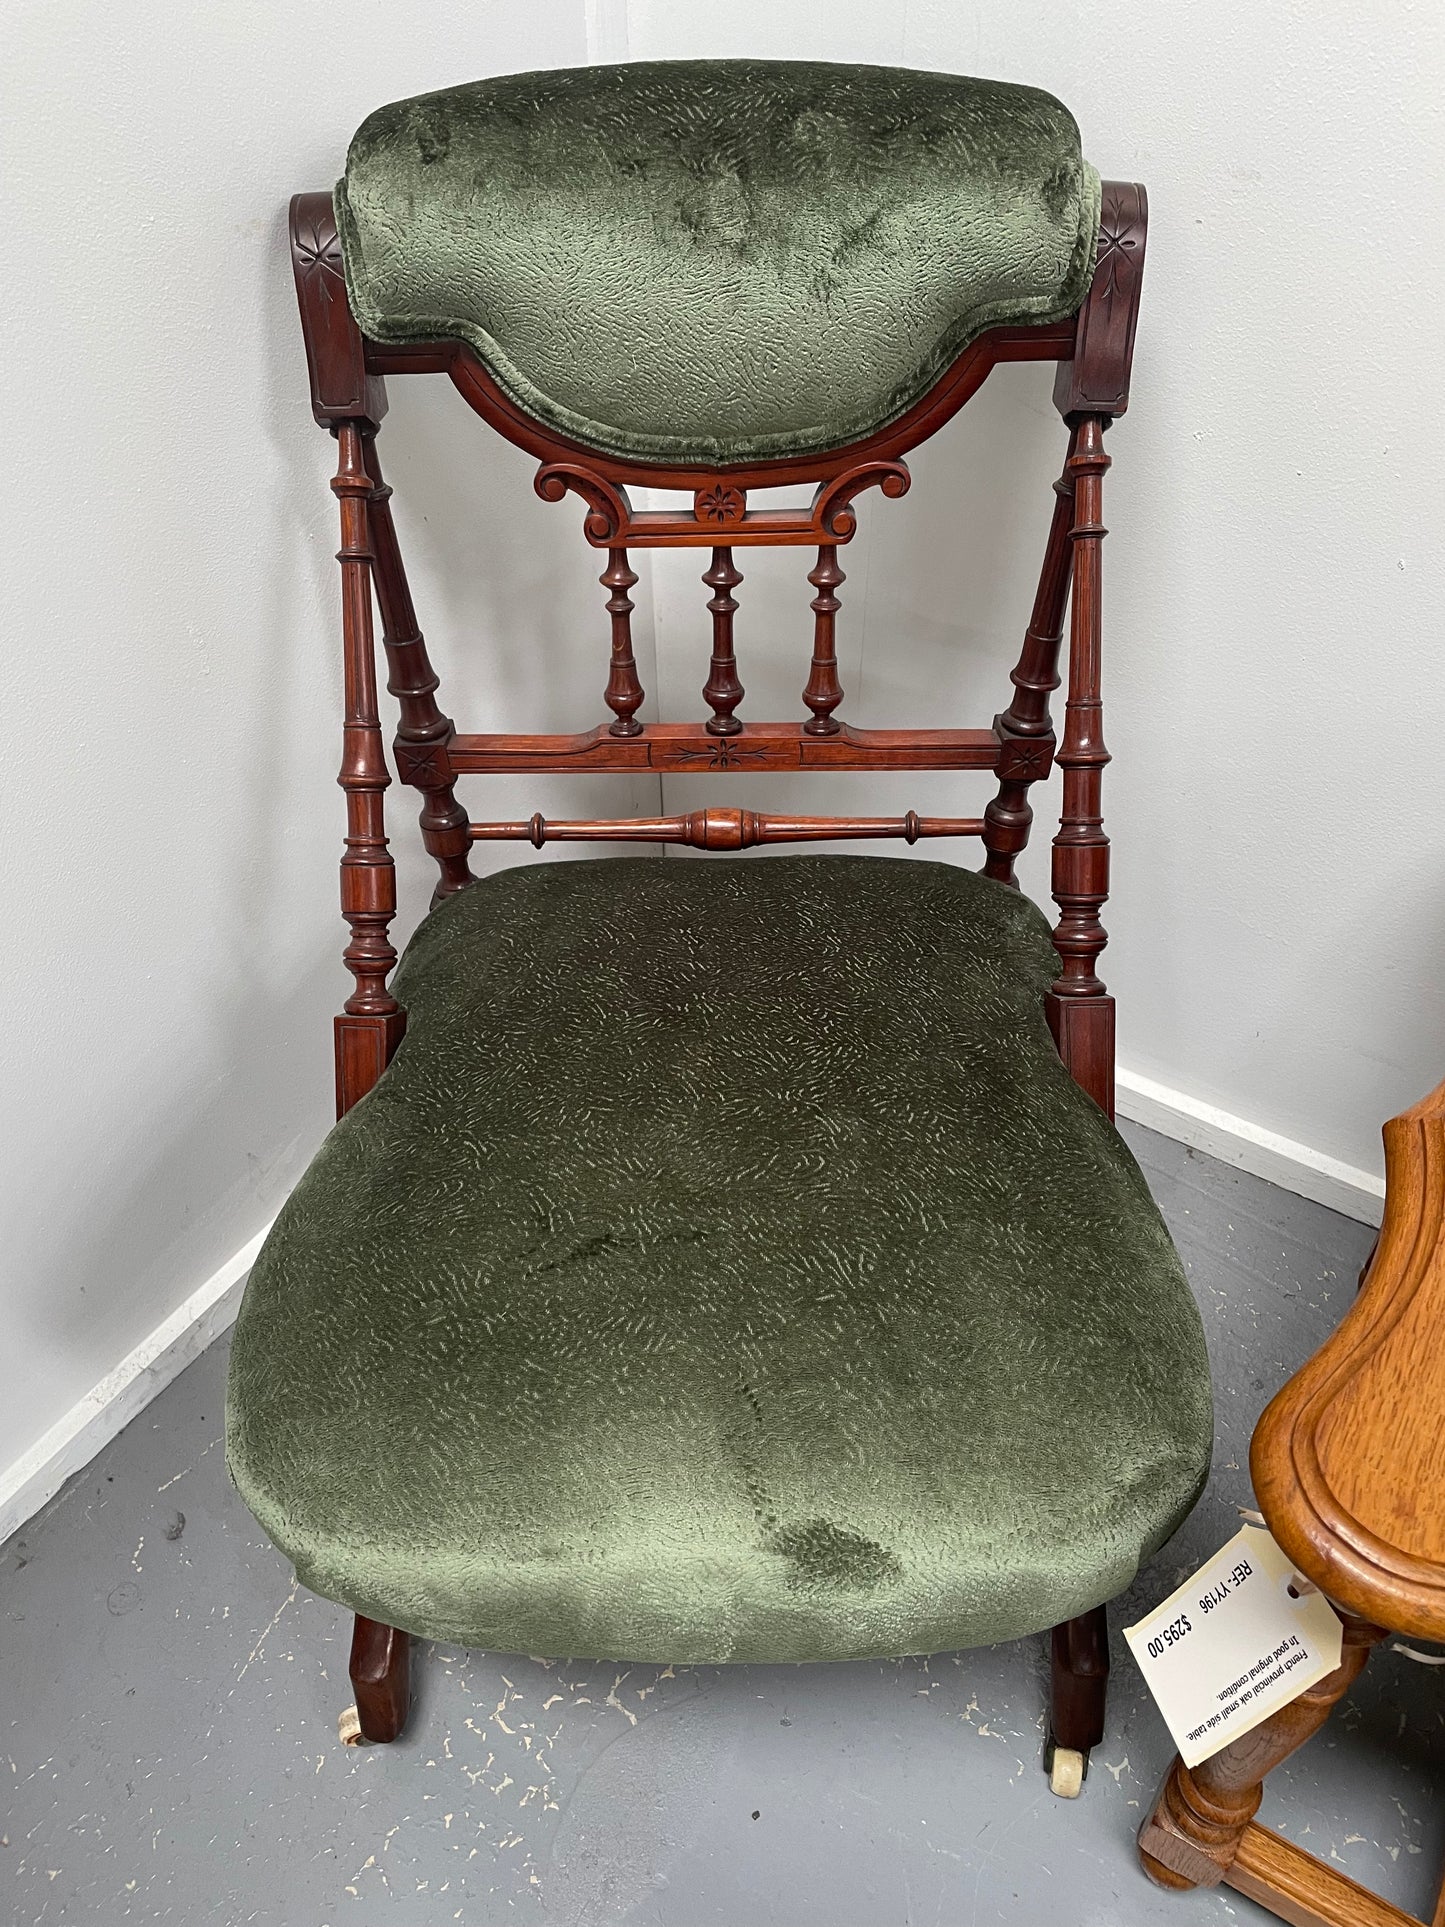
348,371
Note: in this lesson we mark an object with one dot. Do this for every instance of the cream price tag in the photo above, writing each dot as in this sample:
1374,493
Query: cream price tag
1232,1645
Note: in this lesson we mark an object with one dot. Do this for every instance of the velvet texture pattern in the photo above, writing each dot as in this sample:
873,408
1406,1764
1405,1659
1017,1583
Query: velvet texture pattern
725,1268
716,261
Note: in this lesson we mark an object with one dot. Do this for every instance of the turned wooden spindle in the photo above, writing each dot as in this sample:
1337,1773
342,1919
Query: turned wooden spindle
1026,728
1193,1833
722,690
624,693
370,1027
723,829
424,735
824,691
1080,1012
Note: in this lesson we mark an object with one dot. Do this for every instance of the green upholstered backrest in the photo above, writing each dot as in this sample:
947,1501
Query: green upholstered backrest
716,261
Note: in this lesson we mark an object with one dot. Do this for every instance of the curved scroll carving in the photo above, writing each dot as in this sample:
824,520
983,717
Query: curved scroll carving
833,504
721,506
608,510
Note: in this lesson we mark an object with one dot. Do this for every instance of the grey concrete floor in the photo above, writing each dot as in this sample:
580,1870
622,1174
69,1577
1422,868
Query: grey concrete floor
168,1703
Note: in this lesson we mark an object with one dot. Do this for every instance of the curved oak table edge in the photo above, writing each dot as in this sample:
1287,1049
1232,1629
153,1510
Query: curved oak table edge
1354,1394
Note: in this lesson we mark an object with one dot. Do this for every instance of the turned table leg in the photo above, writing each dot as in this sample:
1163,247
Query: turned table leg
1193,1834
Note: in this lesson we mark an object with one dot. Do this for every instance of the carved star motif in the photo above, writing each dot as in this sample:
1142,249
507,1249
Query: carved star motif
719,503
1023,761
1112,241
320,252
418,764
722,754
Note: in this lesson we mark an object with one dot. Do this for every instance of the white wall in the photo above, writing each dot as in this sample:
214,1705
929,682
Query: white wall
1276,572
172,662
1274,584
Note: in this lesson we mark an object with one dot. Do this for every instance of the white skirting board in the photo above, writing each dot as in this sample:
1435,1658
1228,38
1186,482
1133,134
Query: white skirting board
1249,1147
73,1442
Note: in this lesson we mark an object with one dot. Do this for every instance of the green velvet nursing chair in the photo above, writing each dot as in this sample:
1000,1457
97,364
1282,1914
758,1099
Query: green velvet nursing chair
728,1259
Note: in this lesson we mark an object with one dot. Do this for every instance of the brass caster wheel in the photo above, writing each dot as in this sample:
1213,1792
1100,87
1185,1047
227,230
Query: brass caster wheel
349,1727
1067,1768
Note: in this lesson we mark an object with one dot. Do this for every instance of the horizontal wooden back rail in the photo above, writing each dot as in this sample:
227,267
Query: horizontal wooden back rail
682,748
1093,350
725,829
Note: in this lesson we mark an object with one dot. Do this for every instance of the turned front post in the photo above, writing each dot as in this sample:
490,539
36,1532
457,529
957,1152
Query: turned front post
371,1024
1080,1011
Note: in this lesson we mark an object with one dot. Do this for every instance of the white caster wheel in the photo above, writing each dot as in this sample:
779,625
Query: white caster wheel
349,1727
1066,1773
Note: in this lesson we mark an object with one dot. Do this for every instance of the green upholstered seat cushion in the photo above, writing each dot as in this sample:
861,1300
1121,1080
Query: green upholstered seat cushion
725,1268
715,261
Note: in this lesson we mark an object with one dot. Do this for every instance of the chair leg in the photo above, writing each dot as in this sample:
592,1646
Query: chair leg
381,1676
1079,1670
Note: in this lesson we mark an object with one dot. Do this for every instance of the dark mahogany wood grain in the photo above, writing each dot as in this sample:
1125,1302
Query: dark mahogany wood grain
370,1026
381,1679
722,691
1095,379
624,693
424,734
1080,1012
343,388
1079,1680
1026,728
824,692
725,829
683,748
720,509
